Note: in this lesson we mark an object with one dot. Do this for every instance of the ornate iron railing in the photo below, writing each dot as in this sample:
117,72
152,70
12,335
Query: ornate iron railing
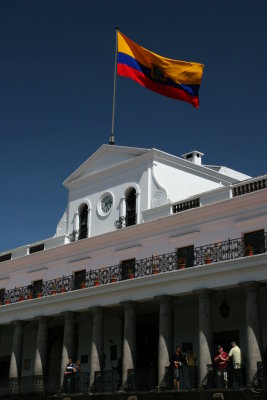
126,220
106,381
78,234
211,253
141,379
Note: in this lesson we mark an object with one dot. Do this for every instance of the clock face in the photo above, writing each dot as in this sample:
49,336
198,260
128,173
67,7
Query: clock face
106,203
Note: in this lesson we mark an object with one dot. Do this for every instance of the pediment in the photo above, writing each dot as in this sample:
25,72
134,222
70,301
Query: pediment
105,157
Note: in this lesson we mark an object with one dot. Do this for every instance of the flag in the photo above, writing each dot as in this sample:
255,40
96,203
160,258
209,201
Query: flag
177,79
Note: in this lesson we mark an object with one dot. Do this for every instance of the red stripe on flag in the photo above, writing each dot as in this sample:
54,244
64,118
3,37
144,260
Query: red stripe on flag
165,90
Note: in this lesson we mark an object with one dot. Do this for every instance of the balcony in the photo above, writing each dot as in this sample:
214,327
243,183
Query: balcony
211,253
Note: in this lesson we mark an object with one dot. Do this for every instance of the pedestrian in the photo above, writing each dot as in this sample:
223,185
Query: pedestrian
191,362
77,376
235,354
221,361
69,375
177,362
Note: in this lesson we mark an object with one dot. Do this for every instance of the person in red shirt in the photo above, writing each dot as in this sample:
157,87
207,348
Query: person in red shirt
221,361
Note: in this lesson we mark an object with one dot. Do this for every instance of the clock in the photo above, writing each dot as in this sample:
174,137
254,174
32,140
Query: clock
106,203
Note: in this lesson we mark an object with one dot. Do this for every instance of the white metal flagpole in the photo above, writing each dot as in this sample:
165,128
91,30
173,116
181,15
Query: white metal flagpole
111,139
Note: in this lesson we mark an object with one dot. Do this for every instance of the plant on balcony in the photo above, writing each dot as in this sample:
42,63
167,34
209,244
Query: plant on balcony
154,265
29,294
39,294
249,250
207,258
113,278
53,288
130,274
83,285
7,301
21,297
181,263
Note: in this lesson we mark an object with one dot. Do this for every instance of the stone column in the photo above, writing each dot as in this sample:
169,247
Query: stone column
97,342
68,343
253,328
205,333
40,353
16,356
129,340
165,335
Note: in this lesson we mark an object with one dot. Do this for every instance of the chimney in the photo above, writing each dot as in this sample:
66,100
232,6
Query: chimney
193,156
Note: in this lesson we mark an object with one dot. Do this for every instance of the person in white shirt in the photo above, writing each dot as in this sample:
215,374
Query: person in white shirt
235,354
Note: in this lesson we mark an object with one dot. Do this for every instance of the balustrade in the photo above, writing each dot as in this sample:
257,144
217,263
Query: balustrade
211,253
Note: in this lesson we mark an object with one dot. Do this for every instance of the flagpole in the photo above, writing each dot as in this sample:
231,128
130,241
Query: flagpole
111,139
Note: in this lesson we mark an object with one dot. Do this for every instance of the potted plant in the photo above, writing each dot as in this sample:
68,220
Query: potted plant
83,285
39,294
249,250
207,258
155,269
7,301
53,288
113,278
130,274
96,282
21,297
29,294
62,289
181,263
154,265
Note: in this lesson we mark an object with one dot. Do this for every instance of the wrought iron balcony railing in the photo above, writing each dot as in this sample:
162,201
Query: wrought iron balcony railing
211,253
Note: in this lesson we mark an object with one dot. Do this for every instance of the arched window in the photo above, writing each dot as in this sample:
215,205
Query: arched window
130,199
83,218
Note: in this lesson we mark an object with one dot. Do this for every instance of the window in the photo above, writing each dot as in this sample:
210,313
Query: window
131,207
83,218
2,296
127,267
79,278
37,287
255,240
185,255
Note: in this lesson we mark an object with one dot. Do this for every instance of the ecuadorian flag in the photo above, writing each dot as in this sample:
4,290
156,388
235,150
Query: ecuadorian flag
179,80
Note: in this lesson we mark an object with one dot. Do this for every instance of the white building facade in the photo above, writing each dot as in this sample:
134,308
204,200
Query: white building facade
152,250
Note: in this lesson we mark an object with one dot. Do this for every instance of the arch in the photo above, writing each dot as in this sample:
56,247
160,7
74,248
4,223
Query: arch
83,221
130,202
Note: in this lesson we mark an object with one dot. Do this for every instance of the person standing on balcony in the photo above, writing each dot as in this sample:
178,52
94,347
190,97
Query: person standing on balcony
177,362
221,361
77,376
69,375
235,354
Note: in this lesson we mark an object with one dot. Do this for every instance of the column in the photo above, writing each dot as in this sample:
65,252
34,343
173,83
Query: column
205,333
97,342
68,343
40,353
165,335
253,328
16,355
129,340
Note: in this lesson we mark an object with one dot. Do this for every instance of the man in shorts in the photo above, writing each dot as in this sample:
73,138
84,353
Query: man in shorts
221,361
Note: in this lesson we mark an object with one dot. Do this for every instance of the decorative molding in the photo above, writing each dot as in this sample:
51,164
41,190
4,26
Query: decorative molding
37,269
131,246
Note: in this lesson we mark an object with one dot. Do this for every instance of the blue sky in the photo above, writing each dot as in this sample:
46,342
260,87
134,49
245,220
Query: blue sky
56,87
